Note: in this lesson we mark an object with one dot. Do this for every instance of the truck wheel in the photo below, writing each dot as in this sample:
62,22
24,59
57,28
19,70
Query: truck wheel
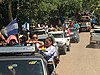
68,49
64,50
90,40
77,41
91,43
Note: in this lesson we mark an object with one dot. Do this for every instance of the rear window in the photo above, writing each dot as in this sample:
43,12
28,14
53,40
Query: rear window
73,30
58,35
38,32
97,31
21,67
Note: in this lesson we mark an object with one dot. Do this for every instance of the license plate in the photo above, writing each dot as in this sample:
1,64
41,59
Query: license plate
83,29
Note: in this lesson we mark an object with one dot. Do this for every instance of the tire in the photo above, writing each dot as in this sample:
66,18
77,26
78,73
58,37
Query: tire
64,50
68,49
91,41
77,41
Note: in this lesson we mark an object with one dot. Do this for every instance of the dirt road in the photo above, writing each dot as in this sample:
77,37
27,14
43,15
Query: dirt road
81,60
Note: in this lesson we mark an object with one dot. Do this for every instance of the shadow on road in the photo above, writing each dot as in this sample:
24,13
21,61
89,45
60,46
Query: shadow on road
96,46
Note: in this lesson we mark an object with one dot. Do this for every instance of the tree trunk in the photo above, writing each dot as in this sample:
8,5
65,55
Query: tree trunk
10,10
0,1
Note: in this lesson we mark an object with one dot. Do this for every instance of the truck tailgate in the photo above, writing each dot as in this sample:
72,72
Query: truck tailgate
95,36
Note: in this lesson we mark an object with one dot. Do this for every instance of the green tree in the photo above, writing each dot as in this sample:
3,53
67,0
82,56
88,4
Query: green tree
41,10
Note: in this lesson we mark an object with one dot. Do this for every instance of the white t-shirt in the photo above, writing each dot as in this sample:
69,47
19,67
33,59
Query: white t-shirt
52,52
46,28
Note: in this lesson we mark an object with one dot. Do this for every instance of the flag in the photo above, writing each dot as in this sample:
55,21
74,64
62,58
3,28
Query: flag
11,28
26,27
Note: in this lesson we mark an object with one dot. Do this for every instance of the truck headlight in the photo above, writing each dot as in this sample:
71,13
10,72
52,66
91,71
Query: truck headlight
75,36
60,42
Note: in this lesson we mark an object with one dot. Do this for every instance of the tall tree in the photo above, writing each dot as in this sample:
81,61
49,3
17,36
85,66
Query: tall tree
10,10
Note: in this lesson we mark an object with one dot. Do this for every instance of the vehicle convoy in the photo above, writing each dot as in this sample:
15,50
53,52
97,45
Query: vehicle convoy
22,61
74,35
62,41
85,24
95,36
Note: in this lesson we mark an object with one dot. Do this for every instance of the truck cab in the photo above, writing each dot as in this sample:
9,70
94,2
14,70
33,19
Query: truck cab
95,36
22,61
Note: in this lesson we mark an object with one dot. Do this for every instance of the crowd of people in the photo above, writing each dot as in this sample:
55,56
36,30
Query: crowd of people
50,50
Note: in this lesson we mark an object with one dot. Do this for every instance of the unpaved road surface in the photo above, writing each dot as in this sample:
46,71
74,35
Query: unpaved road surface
83,59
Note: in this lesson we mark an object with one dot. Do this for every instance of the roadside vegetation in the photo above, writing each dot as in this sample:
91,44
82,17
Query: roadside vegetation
40,11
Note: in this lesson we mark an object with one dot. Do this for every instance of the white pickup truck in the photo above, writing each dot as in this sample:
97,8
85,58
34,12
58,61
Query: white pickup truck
95,36
62,41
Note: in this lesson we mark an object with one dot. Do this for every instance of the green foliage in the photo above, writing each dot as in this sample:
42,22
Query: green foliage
41,10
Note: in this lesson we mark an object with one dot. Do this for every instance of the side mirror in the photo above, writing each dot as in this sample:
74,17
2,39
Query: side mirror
66,35
55,44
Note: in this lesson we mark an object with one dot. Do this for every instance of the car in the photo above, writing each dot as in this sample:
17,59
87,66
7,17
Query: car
22,61
95,36
85,24
62,41
74,35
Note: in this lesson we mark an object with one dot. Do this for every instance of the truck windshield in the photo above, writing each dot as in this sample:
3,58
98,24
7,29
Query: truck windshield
98,31
84,19
58,35
73,30
38,32
21,67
